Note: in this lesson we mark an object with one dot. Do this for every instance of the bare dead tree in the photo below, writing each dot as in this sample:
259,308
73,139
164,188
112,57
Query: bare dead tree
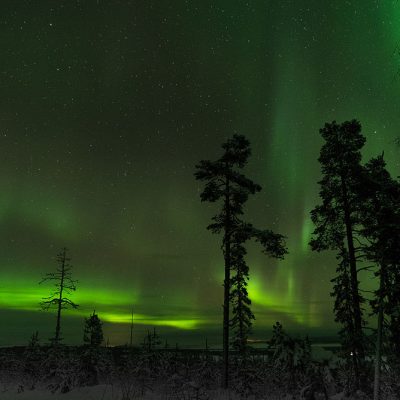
64,286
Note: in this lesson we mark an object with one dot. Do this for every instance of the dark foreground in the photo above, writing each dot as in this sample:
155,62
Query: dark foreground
123,373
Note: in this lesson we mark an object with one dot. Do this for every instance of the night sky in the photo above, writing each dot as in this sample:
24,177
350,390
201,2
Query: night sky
106,107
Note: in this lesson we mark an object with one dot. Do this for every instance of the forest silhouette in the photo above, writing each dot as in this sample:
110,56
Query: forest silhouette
358,218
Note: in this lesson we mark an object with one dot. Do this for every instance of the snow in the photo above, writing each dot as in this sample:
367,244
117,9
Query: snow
99,392
124,374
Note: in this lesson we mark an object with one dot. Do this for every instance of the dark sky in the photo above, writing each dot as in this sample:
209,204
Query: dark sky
105,108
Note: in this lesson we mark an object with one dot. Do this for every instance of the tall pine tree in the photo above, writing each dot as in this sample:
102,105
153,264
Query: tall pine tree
225,183
381,229
336,223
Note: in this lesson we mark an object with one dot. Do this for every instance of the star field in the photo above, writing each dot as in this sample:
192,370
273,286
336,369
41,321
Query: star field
105,108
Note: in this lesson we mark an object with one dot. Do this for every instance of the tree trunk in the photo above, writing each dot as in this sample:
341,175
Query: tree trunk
358,351
225,337
58,324
225,344
378,353
130,342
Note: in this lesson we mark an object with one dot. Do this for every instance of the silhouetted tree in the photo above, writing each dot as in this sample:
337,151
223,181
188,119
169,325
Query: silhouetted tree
224,182
290,356
33,354
381,228
151,340
64,285
242,315
91,355
131,330
344,314
93,331
336,221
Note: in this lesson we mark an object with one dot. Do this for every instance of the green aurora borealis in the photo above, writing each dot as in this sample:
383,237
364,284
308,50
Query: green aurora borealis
106,106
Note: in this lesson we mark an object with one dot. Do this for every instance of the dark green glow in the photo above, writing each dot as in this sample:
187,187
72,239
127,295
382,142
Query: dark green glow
101,125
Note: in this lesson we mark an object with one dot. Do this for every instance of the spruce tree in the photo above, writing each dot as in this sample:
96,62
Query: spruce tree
242,315
343,302
381,210
225,183
64,285
337,221
91,355
32,357
93,331
344,316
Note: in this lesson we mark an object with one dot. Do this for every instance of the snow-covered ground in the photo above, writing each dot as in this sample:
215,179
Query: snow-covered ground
100,392
108,392
129,374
